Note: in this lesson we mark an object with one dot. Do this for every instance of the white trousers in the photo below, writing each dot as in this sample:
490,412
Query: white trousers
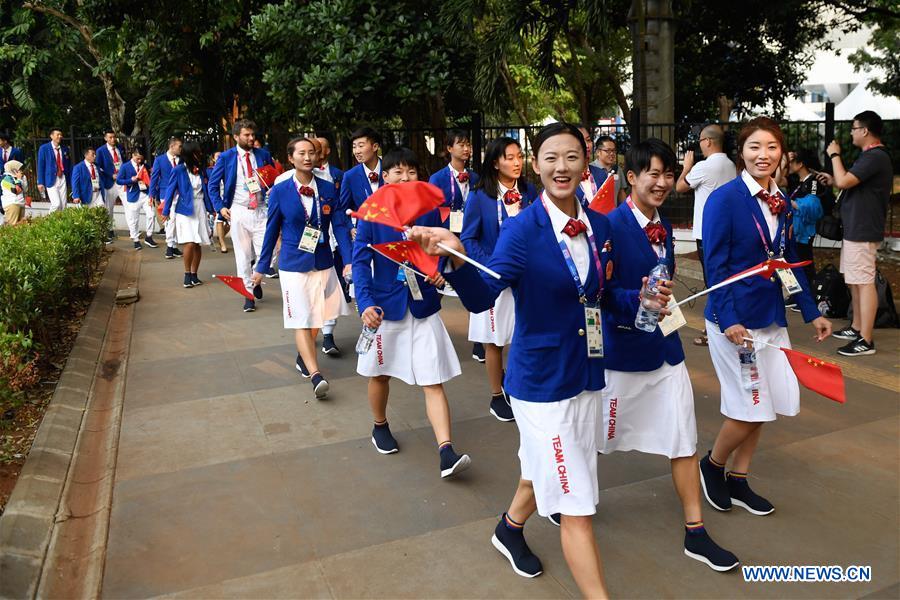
110,196
171,241
248,228
133,217
57,193
97,199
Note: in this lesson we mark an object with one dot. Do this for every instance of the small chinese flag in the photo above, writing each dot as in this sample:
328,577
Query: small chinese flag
444,212
767,268
399,204
605,199
409,252
268,173
144,176
235,283
822,377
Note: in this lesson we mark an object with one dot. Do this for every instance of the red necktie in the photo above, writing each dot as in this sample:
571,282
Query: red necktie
463,177
115,155
373,177
656,233
574,228
511,197
586,175
93,173
59,164
775,201
5,155
305,190
249,165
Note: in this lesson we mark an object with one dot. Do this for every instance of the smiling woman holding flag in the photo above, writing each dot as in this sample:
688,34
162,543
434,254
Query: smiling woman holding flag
744,222
303,209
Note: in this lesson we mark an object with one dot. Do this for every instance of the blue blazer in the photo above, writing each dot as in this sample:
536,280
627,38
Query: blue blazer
452,197
287,218
14,154
81,182
159,176
225,170
355,187
375,277
46,167
548,359
108,166
480,226
179,186
628,348
133,190
600,176
733,245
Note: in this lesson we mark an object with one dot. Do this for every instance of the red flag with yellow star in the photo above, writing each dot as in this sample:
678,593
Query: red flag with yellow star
398,205
409,252
822,377
604,200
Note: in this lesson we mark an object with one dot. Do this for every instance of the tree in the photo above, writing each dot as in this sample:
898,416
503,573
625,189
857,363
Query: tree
885,41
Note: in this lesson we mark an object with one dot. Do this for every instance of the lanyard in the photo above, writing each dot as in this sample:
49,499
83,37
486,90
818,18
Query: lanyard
316,205
573,270
762,238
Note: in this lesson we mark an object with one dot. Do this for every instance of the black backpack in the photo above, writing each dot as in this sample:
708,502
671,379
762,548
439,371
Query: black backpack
832,294
886,315
830,226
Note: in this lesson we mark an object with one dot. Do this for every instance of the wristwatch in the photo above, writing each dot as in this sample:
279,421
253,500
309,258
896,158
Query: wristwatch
833,154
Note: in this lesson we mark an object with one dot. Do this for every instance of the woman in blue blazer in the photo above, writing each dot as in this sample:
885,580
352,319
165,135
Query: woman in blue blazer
557,258
500,195
745,222
186,191
301,209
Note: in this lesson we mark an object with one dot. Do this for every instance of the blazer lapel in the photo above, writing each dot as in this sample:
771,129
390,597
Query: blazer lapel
647,249
758,216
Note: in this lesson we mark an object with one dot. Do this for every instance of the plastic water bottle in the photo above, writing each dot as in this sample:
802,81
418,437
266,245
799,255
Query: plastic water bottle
749,370
366,338
647,317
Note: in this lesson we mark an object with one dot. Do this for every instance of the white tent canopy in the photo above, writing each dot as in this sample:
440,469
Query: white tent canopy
861,99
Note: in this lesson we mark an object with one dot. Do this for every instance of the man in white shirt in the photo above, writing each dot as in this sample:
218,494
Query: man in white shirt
704,177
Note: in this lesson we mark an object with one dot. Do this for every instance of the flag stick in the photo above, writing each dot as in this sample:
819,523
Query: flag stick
721,284
471,261
755,342
420,274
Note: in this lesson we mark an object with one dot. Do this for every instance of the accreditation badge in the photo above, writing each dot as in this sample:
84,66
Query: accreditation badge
309,239
413,283
252,184
456,221
672,322
593,326
789,281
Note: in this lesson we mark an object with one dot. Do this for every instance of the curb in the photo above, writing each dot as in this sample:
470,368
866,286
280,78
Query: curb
27,523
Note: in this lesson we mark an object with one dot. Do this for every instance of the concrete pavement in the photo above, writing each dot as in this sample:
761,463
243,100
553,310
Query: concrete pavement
233,481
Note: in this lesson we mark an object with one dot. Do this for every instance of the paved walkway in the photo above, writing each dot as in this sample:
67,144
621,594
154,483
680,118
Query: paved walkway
232,481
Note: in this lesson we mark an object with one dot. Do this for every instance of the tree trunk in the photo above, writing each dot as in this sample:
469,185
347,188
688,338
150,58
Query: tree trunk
726,105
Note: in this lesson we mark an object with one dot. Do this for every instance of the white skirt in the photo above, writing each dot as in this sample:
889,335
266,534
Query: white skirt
309,299
649,411
778,393
495,325
415,351
558,452
191,229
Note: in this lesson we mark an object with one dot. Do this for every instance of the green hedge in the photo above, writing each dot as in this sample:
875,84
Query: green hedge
44,263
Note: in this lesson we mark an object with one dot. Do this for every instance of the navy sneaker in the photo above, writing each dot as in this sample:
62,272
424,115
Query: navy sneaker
195,280
699,546
176,252
452,463
328,345
110,237
301,366
501,409
478,351
511,544
382,439
137,246
187,281
743,496
556,519
249,305
257,291
169,253
712,480
320,386
272,273
149,241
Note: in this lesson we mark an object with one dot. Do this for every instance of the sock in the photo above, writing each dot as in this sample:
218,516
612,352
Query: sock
445,445
186,274
313,374
328,328
736,475
512,525
713,462
381,423
694,527
497,395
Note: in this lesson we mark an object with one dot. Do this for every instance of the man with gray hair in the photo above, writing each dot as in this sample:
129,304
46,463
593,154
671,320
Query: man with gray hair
704,177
